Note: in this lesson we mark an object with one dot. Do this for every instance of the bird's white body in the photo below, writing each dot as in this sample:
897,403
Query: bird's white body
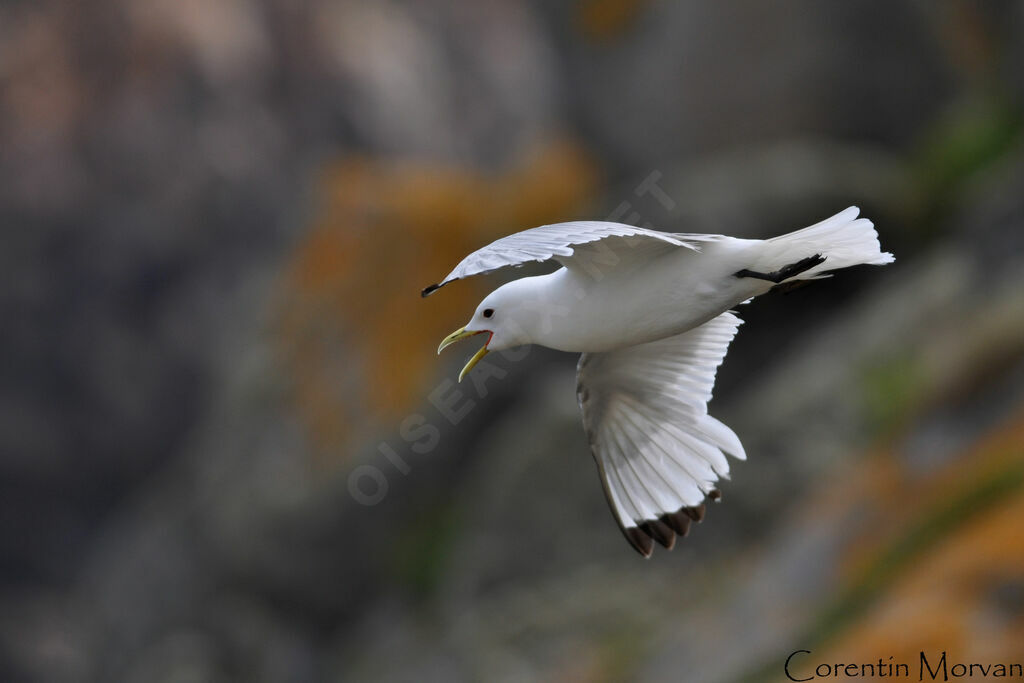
650,314
573,309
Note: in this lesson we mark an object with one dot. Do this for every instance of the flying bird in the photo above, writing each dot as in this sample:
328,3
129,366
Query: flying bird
649,312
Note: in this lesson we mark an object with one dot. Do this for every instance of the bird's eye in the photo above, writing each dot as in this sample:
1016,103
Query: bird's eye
488,312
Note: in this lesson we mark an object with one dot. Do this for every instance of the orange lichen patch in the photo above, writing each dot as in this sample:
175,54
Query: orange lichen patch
356,340
605,20
887,487
939,563
951,599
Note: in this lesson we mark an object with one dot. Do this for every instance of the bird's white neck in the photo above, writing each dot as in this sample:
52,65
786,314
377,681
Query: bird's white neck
552,310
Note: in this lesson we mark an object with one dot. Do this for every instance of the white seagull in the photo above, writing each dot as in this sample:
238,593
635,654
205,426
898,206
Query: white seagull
649,311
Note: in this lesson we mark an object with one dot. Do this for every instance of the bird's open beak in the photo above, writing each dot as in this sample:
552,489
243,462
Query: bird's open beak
462,333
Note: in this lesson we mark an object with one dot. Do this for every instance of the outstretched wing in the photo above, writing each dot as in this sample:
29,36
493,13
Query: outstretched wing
658,451
562,241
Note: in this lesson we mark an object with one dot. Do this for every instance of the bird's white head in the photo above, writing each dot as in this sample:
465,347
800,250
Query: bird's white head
507,316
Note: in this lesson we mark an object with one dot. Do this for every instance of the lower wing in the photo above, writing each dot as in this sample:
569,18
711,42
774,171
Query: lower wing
659,453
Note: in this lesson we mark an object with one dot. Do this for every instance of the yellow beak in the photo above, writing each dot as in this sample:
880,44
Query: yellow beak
455,336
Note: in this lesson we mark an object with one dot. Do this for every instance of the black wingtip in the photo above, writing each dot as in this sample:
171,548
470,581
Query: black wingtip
696,513
427,291
678,521
660,532
639,540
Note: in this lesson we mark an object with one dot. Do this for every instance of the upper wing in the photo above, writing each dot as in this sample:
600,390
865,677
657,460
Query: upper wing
562,241
645,414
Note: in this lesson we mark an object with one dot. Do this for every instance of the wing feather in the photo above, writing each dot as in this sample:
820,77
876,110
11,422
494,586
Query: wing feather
573,244
670,490
659,453
617,486
696,470
644,502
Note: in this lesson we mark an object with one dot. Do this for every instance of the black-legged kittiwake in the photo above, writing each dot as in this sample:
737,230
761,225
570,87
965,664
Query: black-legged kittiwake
650,313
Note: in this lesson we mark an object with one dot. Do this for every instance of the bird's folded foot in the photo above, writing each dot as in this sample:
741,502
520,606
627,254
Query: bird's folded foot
790,286
786,272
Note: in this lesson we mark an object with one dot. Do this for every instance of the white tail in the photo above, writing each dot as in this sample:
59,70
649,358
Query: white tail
844,240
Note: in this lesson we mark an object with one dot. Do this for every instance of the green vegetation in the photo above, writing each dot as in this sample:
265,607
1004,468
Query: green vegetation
420,554
892,389
968,140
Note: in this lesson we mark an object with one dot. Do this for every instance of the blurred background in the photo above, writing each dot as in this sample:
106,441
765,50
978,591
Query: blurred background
228,451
